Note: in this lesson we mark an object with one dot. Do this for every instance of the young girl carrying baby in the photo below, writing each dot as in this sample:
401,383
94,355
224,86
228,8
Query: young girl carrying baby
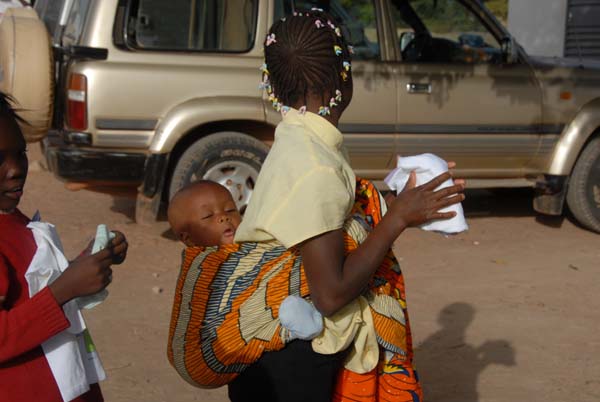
303,196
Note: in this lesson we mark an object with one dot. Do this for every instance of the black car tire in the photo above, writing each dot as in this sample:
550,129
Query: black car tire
222,151
583,195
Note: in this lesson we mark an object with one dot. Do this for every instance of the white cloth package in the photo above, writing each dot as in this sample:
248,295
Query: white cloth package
427,167
71,355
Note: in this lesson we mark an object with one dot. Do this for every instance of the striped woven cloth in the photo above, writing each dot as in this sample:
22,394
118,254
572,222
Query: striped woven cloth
226,309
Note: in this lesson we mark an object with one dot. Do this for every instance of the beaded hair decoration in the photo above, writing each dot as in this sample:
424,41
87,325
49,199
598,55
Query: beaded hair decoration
335,99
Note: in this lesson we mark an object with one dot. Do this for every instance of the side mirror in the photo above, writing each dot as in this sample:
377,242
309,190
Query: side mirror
510,52
405,38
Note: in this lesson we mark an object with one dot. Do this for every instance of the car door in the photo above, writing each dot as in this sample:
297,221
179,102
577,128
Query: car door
369,122
457,97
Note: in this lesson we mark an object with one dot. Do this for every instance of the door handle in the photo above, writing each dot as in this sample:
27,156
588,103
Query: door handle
418,88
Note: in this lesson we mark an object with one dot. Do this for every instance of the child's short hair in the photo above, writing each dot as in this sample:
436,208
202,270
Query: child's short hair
305,52
8,111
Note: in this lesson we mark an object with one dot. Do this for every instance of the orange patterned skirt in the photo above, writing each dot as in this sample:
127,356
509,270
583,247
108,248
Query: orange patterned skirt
226,309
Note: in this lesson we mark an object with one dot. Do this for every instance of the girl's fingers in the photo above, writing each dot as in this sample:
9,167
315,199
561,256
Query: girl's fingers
436,182
448,191
119,238
120,248
442,215
411,182
446,202
103,255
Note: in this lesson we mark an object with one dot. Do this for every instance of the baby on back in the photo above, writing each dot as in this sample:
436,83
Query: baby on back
204,214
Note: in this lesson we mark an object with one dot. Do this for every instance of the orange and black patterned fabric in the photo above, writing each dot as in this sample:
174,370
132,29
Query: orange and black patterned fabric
226,309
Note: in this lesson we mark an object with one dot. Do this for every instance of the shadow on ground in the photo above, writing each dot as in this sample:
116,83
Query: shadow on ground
509,202
499,202
450,367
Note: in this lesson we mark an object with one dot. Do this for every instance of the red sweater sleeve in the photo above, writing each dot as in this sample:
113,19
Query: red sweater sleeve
29,324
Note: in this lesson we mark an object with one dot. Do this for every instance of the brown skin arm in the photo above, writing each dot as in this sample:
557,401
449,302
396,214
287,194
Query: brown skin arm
335,280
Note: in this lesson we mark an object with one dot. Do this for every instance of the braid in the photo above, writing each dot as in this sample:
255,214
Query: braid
305,55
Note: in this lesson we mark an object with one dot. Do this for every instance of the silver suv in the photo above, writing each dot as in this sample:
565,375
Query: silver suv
156,94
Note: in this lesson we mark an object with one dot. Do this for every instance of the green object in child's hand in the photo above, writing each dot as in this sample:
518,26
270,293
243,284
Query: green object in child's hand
103,236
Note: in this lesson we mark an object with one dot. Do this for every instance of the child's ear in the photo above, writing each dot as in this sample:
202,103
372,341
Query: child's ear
185,239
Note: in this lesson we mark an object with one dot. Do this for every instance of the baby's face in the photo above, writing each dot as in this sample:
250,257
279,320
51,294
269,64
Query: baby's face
213,218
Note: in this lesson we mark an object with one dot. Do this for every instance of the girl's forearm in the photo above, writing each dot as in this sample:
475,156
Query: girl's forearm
335,280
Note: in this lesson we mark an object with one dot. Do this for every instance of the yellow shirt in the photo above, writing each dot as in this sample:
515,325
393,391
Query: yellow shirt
305,188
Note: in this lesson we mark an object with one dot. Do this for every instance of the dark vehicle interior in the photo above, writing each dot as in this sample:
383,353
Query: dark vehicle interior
420,45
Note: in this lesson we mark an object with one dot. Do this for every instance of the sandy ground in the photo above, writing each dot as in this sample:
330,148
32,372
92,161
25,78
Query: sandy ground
509,311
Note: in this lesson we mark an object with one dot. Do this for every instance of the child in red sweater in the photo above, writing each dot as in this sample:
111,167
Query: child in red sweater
28,322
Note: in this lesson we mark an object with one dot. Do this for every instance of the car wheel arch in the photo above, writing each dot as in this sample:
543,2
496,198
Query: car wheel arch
261,131
574,138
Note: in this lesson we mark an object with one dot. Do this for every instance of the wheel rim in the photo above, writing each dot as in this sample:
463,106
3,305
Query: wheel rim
238,177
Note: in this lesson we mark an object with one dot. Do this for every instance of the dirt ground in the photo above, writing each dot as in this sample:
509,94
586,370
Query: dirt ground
509,311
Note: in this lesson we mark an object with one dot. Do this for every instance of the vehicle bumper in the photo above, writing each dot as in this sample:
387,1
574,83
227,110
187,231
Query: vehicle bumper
83,164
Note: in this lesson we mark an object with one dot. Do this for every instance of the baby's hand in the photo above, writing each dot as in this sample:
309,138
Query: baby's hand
415,206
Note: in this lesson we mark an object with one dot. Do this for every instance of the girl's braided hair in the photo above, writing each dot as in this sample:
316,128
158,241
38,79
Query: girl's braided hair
307,54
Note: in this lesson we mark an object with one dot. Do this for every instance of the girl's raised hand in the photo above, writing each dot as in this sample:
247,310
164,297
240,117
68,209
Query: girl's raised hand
415,206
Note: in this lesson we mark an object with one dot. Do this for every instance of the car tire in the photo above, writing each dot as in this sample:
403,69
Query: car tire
230,158
27,69
583,195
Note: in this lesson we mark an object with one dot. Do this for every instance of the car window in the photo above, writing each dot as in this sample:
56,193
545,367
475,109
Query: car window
49,12
194,25
442,31
76,22
357,18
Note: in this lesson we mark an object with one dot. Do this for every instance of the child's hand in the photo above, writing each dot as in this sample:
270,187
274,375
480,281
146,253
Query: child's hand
119,243
417,205
88,250
89,274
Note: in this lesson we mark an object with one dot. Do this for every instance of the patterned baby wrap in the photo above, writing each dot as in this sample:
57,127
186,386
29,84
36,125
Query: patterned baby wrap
226,309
